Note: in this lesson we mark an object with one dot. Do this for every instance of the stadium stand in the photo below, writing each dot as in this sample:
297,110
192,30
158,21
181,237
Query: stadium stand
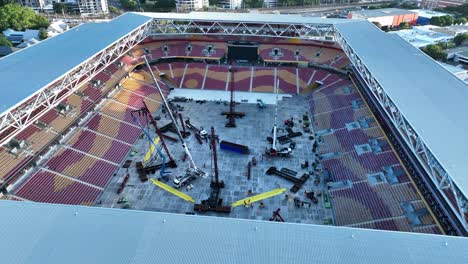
368,186
263,80
48,187
216,77
99,145
114,128
194,76
84,167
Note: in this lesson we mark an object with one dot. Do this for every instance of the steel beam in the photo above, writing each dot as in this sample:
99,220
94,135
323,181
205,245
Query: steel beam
32,108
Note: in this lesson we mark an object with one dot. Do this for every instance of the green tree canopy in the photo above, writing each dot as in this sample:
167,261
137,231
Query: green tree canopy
461,10
43,34
435,52
60,8
253,3
20,18
404,25
442,21
4,41
115,10
5,2
460,38
160,6
129,4
460,20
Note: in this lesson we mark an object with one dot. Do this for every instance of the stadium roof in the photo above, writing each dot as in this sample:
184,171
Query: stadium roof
246,17
48,233
431,98
381,12
27,71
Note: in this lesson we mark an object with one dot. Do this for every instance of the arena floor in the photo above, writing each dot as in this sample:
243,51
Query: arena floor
252,131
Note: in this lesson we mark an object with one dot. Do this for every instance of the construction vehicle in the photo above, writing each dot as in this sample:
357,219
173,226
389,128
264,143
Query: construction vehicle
145,112
260,103
190,175
182,181
274,150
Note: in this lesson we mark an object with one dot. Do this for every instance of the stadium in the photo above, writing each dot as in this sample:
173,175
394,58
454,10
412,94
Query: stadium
371,130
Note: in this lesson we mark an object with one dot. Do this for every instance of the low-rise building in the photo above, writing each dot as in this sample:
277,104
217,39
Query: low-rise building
386,17
18,37
422,36
190,5
230,4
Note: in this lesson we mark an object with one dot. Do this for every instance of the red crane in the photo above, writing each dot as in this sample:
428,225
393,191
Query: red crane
158,132
215,183
232,114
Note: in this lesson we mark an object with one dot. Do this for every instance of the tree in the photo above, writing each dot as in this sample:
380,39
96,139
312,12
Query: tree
60,8
43,34
4,41
5,2
114,10
460,21
442,21
448,20
128,4
435,52
20,18
404,25
460,38
253,3
461,10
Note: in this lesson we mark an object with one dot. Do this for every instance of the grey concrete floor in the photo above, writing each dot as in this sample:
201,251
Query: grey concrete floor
251,131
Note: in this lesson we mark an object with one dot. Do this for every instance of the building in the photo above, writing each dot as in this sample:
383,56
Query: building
70,234
452,30
34,4
387,17
270,3
230,4
18,37
57,27
393,77
458,71
424,15
84,7
93,7
422,36
190,5
430,4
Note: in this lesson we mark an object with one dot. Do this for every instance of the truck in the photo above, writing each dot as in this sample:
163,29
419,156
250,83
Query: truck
183,180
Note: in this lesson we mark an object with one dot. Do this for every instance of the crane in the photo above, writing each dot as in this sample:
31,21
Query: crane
274,151
214,203
144,111
194,167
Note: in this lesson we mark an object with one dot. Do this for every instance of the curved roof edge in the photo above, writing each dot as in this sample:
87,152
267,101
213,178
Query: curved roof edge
246,17
52,233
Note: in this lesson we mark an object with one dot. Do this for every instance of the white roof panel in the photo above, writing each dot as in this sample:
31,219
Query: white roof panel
431,98
46,233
